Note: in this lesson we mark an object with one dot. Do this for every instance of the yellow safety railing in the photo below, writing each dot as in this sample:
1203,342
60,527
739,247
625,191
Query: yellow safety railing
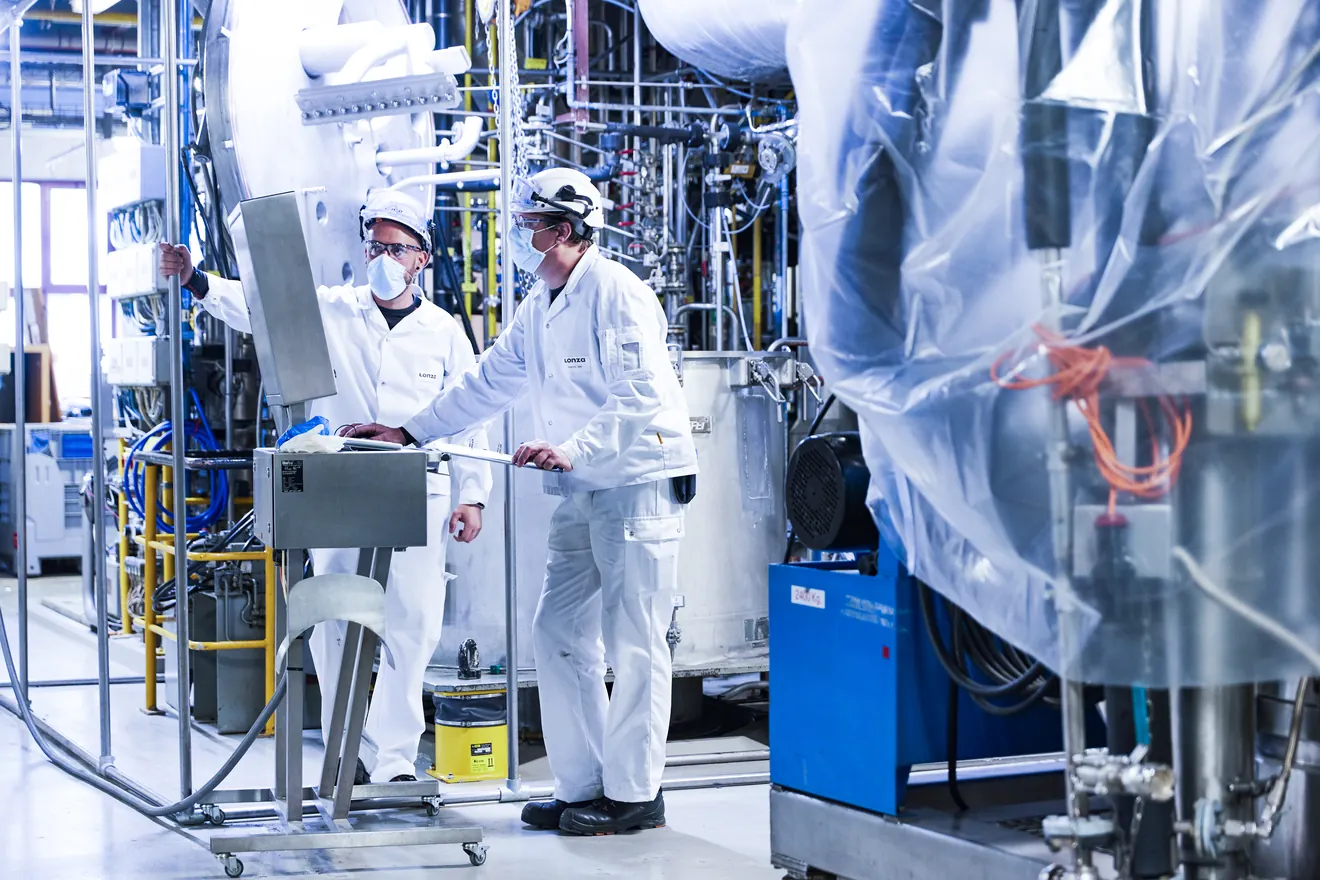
121,516
158,483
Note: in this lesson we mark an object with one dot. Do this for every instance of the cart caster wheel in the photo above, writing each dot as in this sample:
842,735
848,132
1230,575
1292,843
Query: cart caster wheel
432,810
233,867
216,817
476,854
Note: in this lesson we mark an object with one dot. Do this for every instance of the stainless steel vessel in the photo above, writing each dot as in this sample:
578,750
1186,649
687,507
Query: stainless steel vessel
735,529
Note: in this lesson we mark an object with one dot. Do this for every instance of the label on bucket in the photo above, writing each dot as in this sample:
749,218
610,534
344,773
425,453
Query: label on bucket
808,597
482,761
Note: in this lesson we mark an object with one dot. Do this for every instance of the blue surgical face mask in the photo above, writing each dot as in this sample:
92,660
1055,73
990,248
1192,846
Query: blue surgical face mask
388,279
524,253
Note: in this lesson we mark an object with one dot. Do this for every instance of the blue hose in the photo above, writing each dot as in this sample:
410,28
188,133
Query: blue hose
198,437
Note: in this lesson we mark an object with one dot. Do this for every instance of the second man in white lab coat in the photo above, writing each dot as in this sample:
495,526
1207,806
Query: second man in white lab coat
588,344
392,351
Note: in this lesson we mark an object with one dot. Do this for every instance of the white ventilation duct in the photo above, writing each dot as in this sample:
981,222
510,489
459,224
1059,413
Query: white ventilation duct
98,6
736,39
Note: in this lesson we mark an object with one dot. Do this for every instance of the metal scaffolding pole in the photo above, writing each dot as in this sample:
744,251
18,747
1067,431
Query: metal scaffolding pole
508,100
169,39
20,373
99,585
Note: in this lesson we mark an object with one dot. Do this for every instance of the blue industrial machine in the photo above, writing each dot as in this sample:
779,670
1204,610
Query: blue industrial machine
855,674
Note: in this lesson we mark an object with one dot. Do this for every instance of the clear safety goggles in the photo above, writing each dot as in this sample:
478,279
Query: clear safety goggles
535,221
394,249
524,196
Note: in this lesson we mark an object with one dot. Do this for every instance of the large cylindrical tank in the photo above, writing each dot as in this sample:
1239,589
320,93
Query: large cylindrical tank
474,601
735,529
740,39
253,72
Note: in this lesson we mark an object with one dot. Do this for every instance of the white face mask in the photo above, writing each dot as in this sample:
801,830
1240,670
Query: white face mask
388,279
524,253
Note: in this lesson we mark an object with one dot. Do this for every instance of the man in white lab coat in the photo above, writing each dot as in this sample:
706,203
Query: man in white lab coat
392,351
588,344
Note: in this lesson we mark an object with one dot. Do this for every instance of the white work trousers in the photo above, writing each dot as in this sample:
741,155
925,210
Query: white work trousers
610,580
414,612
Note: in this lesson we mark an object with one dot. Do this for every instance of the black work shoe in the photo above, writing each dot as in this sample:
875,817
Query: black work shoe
607,816
404,777
545,814
360,774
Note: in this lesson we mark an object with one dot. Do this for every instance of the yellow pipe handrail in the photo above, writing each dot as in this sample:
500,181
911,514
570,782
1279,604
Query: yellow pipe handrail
233,645
167,495
121,522
150,643
206,556
158,480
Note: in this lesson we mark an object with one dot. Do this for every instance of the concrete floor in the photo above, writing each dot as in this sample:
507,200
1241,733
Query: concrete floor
56,827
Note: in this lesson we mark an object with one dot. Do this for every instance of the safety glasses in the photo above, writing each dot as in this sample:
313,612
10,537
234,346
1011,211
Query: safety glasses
394,249
535,222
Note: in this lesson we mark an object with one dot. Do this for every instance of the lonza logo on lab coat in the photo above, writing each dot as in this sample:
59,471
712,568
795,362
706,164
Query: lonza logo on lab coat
427,376
575,363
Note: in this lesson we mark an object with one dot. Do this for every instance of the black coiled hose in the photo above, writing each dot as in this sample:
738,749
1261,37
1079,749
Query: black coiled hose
979,662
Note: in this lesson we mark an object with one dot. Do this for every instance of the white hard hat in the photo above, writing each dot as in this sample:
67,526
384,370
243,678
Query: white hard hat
390,204
559,191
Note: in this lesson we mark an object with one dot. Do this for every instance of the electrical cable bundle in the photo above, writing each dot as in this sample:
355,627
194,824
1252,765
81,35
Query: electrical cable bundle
137,224
198,437
147,312
985,666
988,668
1078,375
164,597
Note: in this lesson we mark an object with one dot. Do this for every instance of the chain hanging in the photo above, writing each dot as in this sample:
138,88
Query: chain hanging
514,140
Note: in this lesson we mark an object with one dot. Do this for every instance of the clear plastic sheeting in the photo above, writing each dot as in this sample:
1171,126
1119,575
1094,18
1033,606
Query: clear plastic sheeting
738,39
1065,269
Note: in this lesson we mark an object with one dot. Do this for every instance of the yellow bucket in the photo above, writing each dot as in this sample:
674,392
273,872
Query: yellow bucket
471,735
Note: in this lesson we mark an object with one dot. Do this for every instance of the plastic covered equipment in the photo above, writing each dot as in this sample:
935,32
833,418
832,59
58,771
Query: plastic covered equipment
739,39
1065,269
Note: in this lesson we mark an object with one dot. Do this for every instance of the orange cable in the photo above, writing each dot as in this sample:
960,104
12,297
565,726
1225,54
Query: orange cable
1078,374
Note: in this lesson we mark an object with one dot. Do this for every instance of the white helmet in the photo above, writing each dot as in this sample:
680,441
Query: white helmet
399,207
564,191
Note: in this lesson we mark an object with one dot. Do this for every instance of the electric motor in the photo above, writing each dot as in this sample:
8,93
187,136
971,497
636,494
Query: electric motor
827,482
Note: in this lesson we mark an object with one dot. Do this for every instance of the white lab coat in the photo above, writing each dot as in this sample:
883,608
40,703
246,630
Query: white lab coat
603,389
384,375
598,373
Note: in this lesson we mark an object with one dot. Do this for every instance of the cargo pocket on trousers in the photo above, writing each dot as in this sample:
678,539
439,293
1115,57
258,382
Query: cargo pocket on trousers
651,551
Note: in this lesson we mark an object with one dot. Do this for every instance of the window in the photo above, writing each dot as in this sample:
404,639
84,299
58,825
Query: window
55,260
32,234
70,325
66,227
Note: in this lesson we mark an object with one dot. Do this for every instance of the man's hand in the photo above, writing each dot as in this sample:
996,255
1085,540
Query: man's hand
469,517
176,260
541,454
375,431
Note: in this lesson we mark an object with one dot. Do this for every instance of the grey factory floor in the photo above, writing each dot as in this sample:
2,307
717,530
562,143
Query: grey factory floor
53,826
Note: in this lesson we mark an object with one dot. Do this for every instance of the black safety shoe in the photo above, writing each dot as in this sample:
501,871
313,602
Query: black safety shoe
404,777
607,816
360,774
545,814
